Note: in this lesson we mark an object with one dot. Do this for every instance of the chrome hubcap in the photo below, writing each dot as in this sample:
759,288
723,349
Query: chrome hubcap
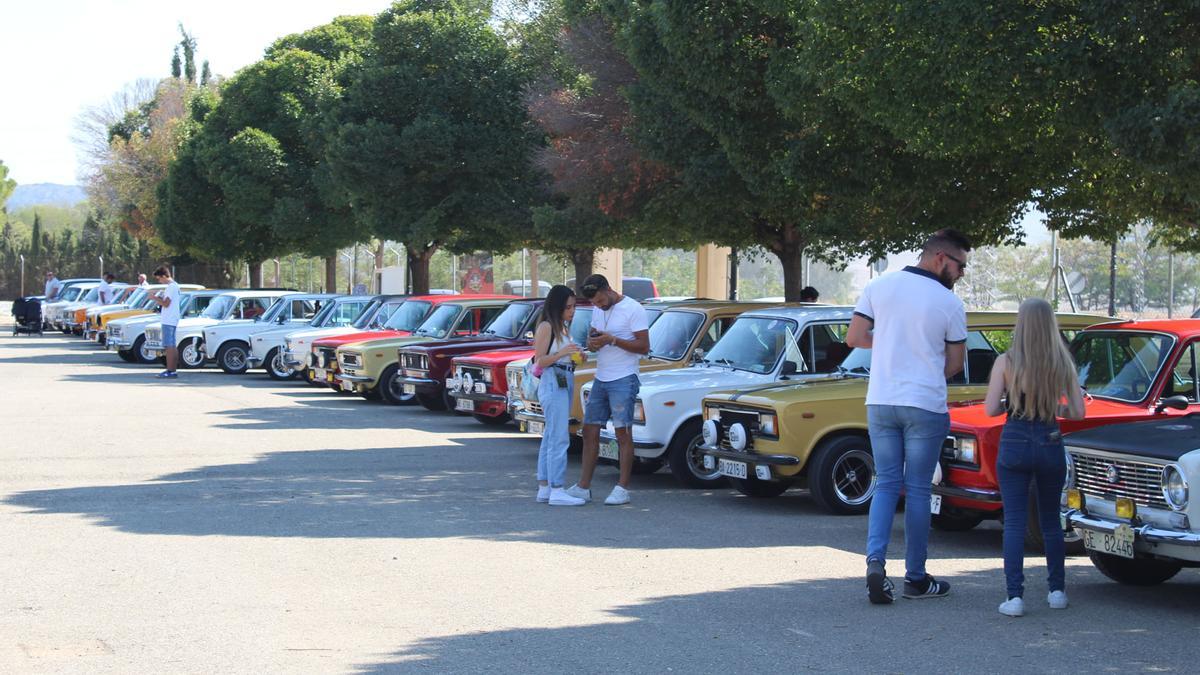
235,359
696,461
854,477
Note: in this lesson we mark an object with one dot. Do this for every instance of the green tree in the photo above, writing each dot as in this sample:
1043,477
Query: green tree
35,249
7,185
176,64
188,45
205,74
430,139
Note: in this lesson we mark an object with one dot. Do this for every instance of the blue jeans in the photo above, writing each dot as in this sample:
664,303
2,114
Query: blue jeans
1031,452
556,438
612,400
168,335
905,442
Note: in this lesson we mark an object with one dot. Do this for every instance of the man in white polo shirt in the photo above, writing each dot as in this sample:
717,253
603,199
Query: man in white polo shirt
916,329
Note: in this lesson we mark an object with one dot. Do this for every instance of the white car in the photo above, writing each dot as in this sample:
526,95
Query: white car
73,290
129,297
127,337
298,345
236,305
267,347
761,348
229,342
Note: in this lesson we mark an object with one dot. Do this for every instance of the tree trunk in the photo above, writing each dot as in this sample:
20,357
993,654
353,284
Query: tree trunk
331,273
377,277
255,274
1112,279
534,282
418,265
789,248
583,261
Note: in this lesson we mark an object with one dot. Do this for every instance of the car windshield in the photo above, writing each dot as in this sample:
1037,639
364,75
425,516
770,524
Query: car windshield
410,315
92,295
219,307
346,313
273,311
672,333
652,314
580,324
755,344
196,305
71,294
440,322
508,323
136,298
1120,365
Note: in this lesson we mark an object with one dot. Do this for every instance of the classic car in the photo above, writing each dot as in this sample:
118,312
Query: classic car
75,316
267,347
127,336
137,304
228,343
234,305
297,347
67,293
65,318
70,296
761,347
403,321
814,433
1128,494
1132,371
366,365
128,297
680,334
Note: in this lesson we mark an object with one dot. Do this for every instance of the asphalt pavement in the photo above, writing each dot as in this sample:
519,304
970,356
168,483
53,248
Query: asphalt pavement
234,524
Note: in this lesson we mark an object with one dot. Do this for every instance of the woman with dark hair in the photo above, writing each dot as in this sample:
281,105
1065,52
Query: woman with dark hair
552,349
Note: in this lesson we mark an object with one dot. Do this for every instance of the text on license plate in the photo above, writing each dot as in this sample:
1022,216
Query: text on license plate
935,504
610,450
464,404
410,389
728,467
1119,543
347,385
536,427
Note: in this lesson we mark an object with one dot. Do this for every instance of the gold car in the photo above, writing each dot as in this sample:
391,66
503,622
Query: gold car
679,336
766,440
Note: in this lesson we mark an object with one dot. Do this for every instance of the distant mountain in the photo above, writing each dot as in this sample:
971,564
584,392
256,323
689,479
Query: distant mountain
51,194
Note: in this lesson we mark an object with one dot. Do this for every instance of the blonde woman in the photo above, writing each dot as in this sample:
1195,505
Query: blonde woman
1030,383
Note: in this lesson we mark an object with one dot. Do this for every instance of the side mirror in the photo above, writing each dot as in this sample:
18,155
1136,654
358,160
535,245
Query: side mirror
1177,402
529,335
281,319
698,356
789,368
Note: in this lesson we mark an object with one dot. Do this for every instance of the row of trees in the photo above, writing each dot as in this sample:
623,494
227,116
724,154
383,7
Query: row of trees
827,129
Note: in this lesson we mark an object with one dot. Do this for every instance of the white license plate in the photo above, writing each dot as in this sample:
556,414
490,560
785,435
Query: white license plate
410,389
464,404
730,468
935,504
610,450
318,373
536,427
347,385
1119,543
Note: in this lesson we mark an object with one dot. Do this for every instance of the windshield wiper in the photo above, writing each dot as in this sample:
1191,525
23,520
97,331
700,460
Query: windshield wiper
856,371
724,362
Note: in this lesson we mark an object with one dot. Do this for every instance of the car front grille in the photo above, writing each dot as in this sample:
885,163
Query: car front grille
534,407
153,335
1139,481
414,361
731,417
114,331
350,359
475,373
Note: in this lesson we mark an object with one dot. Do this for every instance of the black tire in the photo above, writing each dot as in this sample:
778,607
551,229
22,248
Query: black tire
841,475
392,389
763,489
126,355
1136,572
955,522
687,461
190,356
643,466
431,402
276,368
232,357
372,394
496,421
139,351
1035,543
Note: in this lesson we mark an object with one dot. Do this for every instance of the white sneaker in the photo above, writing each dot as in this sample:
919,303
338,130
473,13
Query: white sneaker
582,493
618,496
560,497
1057,599
543,495
1013,607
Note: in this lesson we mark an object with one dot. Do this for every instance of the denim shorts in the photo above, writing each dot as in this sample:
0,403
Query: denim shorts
168,335
612,400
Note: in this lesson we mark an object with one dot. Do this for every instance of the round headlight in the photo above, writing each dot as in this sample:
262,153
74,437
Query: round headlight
709,431
468,382
1175,487
738,436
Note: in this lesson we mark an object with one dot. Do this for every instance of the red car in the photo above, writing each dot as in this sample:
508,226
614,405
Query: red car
1133,370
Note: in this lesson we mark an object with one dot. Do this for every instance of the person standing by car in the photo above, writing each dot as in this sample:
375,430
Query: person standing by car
620,336
1036,373
53,287
916,329
168,299
553,348
105,289
809,294
142,281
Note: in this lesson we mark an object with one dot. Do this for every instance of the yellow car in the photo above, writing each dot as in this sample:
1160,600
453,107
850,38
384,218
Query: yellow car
679,336
137,304
767,439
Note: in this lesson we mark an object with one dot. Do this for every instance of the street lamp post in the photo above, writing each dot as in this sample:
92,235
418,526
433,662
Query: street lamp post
101,258
349,272
22,275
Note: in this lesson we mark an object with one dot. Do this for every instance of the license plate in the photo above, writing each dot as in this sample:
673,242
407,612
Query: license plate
536,427
1119,543
610,450
318,373
347,385
329,377
410,389
935,504
464,404
733,469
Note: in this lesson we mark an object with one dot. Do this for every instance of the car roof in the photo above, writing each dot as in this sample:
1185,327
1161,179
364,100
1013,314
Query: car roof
802,311
1009,318
1184,328
706,305
478,300
243,292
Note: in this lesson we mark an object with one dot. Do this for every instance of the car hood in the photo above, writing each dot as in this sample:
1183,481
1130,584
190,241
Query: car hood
104,308
473,343
496,357
972,419
801,389
696,378
136,319
388,343
1167,439
359,336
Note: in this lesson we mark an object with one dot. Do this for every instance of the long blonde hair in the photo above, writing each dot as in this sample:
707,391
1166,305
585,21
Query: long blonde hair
1040,368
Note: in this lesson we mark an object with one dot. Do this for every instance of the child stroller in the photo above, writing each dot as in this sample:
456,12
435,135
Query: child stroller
28,313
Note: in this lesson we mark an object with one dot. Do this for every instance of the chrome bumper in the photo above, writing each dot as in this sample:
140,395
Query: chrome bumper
1146,532
357,379
418,381
751,458
645,445
473,396
976,494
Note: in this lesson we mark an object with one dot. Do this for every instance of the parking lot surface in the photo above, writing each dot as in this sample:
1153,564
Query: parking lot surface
233,524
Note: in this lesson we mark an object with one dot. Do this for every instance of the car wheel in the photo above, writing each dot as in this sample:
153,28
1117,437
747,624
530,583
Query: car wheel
1036,543
753,487
372,394
1136,572
231,357
841,475
643,466
127,355
955,522
276,368
687,460
392,388
140,352
431,402
190,356
492,421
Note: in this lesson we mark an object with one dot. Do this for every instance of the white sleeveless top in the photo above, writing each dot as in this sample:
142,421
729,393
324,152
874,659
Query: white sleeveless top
557,343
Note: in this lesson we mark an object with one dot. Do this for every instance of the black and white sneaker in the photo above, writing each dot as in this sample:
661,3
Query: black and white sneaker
880,589
926,588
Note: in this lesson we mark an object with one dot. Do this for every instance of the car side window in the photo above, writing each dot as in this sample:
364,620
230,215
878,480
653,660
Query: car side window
248,308
484,317
1183,376
824,346
983,346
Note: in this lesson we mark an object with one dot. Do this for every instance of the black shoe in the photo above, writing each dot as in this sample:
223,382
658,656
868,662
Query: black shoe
880,589
926,588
